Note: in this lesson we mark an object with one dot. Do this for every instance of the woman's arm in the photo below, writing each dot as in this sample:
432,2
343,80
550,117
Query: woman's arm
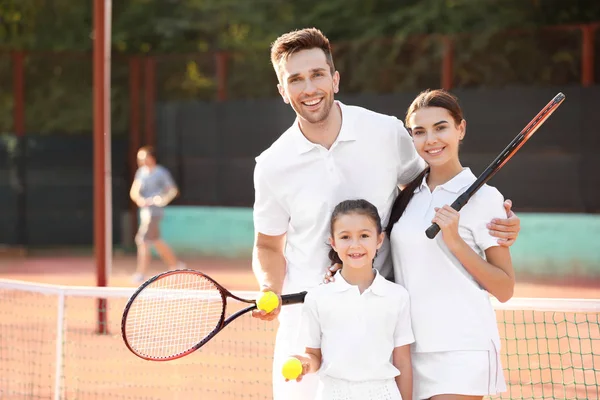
496,274
401,360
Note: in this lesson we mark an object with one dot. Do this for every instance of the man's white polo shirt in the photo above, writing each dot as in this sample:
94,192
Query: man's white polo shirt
357,332
298,183
449,309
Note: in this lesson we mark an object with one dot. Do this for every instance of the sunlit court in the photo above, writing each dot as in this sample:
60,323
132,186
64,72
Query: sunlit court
95,95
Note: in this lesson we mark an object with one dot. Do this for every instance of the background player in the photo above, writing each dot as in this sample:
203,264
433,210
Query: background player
153,188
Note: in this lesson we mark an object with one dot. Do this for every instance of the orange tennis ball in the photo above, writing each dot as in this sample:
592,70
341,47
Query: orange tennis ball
291,369
267,302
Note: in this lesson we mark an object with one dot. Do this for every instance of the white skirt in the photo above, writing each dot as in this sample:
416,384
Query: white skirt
340,389
471,373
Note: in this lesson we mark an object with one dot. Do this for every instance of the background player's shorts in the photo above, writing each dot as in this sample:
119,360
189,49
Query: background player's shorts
149,229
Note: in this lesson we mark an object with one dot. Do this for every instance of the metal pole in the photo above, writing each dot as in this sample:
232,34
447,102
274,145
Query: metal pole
587,55
150,101
102,154
135,133
20,160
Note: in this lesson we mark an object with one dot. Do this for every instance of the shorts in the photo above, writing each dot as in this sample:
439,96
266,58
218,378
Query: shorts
340,389
471,373
149,229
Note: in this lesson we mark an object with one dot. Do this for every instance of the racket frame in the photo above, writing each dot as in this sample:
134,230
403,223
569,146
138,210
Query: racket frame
502,158
286,299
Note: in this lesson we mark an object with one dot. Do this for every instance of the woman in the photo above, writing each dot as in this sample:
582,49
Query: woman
456,354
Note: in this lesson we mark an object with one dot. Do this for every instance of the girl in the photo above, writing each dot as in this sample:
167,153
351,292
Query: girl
358,328
456,351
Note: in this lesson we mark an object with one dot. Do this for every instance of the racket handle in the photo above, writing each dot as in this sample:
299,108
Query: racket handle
432,231
294,298
458,204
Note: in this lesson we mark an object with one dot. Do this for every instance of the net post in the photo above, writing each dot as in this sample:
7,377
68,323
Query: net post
102,155
60,318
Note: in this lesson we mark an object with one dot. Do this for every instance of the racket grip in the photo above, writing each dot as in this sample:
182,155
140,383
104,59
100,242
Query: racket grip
432,231
294,298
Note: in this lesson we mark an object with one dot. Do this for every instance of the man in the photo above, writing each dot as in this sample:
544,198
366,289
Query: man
152,189
331,153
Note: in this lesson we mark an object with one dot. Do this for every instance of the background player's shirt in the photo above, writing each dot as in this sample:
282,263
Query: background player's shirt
154,182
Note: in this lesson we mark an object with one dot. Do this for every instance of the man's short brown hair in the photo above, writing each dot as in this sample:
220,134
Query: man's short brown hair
149,150
294,41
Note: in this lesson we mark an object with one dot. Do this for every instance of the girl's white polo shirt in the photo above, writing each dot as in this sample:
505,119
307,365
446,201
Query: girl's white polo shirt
357,332
449,309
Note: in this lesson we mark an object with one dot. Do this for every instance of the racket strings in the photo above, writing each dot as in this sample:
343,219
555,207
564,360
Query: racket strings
173,314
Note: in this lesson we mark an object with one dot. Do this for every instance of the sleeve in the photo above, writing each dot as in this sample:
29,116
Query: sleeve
137,175
311,327
167,180
410,164
270,218
403,334
489,205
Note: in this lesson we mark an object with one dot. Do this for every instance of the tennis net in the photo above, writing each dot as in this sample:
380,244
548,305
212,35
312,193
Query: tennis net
50,349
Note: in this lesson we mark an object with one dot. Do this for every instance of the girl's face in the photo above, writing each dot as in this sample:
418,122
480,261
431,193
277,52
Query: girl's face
436,135
356,240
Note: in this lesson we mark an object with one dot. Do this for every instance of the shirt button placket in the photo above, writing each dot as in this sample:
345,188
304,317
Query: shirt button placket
331,168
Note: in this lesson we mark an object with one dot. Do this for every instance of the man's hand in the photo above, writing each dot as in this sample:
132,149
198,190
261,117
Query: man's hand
331,272
141,202
262,315
508,229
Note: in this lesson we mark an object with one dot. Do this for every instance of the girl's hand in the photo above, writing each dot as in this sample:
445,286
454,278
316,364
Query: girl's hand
305,367
447,218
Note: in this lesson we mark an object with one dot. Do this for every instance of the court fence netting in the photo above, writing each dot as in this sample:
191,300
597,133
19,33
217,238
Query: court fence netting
50,348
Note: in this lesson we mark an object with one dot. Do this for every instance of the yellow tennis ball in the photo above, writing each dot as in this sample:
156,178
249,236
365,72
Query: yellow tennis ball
291,369
267,302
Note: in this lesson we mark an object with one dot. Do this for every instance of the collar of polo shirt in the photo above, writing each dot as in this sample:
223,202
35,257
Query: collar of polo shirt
454,185
378,286
303,145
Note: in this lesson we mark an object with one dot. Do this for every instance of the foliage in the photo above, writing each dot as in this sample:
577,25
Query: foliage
380,46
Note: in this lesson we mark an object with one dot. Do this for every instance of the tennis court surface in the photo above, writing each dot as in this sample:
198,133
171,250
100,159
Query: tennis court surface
50,348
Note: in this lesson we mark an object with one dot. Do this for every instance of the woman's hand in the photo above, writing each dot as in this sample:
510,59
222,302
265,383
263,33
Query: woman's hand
447,218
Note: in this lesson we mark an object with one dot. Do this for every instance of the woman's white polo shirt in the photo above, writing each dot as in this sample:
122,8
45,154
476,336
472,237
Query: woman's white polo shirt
450,310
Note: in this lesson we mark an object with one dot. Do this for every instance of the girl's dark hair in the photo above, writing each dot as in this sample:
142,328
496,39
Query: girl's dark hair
428,98
361,207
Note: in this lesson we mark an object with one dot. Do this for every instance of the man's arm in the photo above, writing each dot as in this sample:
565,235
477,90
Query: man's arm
506,230
268,265
409,163
169,189
165,198
134,193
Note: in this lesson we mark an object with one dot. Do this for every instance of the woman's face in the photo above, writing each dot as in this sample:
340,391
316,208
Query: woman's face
436,135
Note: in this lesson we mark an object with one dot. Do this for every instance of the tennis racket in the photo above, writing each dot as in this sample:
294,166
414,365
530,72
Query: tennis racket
176,312
502,158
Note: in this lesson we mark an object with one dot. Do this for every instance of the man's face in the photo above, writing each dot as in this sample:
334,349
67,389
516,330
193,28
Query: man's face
307,85
144,159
